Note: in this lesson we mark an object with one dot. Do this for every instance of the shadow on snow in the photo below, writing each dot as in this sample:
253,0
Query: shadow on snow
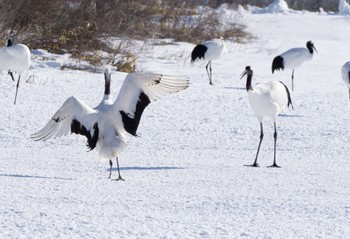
32,176
291,116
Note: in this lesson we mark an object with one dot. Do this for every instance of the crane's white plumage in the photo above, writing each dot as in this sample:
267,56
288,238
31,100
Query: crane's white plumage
267,99
345,73
106,126
14,58
209,51
293,58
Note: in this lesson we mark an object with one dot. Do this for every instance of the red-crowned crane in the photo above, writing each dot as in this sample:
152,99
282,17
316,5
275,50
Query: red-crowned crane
293,58
14,58
209,51
106,126
267,99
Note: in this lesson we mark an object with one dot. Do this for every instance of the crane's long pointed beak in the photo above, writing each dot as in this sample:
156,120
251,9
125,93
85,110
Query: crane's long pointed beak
243,74
315,48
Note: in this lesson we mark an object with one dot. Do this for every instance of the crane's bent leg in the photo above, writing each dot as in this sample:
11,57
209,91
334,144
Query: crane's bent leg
11,74
274,165
209,72
293,80
255,164
110,168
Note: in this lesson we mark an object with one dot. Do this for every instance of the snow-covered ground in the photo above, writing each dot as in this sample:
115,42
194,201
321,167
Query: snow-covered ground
184,177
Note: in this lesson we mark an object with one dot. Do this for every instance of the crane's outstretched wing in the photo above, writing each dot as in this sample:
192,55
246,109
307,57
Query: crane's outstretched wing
138,90
74,116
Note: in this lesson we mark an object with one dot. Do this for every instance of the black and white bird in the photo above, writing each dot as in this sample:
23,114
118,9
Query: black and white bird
209,51
345,73
106,126
267,99
293,58
14,58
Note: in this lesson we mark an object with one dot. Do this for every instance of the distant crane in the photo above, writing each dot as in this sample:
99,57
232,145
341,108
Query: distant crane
107,125
14,58
266,99
209,51
345,73
293,58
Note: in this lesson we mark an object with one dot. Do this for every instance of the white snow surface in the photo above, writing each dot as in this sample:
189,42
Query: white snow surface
184,175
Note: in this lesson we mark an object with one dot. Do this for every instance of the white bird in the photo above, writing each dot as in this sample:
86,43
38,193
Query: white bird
106,126
267,99
293,58
209,51
345,73
14,58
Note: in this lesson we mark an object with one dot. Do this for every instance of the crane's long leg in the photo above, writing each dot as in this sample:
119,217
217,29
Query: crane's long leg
110,168
19,77
255,164
293,80
210,70
119,177
274,165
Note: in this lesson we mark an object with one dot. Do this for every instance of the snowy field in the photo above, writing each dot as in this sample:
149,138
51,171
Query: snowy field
184,175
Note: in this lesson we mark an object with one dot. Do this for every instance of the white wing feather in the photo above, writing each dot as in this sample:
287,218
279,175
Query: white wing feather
216,49
294,57
152,84
60,123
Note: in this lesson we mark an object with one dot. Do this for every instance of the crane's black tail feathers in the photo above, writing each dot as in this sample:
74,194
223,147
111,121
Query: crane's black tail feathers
198,52
277,64
288,95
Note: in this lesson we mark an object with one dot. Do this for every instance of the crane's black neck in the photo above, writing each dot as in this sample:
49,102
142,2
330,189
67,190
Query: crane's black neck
107,87
9,42
107,84
249,82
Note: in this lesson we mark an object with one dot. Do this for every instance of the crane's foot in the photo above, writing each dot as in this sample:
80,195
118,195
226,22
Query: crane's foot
274,166
210,83
118,179
252,165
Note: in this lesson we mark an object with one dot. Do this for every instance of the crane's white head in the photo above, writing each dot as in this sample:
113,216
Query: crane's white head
107,74
310,46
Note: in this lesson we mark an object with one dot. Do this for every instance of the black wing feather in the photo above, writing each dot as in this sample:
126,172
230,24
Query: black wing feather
198,52
132,123
277,64
78,128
